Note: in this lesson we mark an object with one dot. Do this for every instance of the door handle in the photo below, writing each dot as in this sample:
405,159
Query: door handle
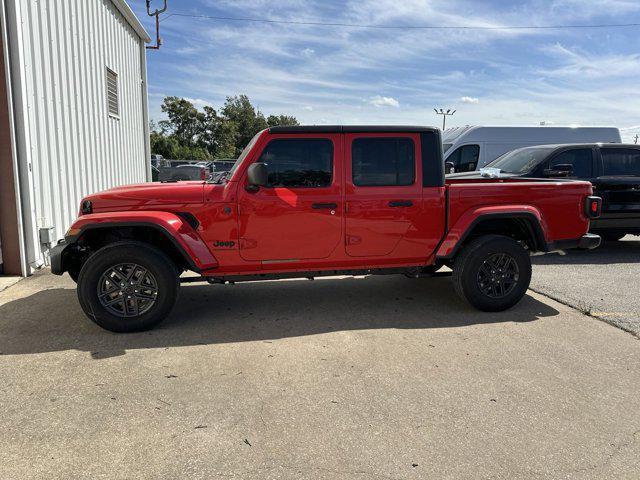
328,206
401,203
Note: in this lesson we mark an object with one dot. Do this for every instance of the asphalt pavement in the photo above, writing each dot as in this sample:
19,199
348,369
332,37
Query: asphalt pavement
367,378
604,282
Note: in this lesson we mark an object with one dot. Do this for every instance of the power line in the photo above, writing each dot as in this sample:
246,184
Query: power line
391,27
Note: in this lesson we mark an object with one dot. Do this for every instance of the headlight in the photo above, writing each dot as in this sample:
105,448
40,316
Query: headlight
86,207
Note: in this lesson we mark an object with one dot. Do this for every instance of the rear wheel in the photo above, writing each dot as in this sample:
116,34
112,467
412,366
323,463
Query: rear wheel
492,273
128,287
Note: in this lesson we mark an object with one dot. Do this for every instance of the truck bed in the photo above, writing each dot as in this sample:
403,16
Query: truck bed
559,203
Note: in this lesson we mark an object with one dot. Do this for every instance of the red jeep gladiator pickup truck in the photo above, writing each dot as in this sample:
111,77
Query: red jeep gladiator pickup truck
313,201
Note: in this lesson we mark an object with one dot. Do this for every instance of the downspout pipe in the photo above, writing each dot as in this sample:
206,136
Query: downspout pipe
24,267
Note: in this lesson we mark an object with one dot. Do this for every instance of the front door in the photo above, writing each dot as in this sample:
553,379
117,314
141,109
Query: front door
384,191
299,214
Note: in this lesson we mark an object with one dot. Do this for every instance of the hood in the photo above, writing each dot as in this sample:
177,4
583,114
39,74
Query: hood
147,196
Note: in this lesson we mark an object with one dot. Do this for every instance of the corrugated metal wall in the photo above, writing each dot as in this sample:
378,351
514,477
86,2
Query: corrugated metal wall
68,145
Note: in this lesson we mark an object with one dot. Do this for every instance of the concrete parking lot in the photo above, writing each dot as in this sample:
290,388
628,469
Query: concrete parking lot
604,282
381,378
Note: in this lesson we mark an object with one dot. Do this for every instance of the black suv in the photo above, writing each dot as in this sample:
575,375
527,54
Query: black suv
613,169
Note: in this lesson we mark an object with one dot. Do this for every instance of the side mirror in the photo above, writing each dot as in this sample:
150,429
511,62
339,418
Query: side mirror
257,175
562,170
449,167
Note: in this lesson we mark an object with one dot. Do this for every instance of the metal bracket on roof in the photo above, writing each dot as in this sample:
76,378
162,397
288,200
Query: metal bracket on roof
156,14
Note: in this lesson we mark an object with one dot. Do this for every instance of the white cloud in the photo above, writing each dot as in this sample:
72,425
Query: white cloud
199,102
379,101
576,65
308,52
593,8
336,75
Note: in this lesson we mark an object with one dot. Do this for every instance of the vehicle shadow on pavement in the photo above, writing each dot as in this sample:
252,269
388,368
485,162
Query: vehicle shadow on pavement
51,320
626,251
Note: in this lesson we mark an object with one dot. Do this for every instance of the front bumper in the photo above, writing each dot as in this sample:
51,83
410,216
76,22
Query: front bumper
55,255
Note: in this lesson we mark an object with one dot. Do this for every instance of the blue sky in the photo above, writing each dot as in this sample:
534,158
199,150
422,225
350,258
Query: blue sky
397,76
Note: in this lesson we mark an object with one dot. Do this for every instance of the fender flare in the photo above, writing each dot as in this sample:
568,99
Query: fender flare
178,230
456,236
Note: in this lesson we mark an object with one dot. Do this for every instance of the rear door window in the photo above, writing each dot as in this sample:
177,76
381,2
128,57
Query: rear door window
383,162
621,161
465,158
581,159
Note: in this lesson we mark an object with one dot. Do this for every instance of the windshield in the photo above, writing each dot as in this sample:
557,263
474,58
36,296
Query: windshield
243,155
446,146
520,161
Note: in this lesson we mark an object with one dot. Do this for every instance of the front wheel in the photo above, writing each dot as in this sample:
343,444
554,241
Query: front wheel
128,287
492,273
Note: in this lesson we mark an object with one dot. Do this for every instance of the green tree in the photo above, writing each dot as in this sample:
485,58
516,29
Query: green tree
184,122
247,119
191,134
282,121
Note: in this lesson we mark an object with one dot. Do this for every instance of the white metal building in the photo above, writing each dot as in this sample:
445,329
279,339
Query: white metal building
73,116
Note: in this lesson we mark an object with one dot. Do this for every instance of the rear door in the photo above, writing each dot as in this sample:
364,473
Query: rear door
619,187
383,190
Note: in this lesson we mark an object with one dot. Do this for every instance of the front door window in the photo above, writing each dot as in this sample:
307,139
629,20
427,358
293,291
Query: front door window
465,158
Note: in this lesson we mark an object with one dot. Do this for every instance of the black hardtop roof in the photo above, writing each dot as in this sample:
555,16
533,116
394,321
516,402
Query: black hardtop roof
353,129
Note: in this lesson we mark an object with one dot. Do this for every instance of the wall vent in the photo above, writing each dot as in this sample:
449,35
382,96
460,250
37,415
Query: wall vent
113,102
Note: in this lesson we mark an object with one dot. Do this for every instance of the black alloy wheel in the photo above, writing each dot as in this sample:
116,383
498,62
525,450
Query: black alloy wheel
127,290
498,275
492,272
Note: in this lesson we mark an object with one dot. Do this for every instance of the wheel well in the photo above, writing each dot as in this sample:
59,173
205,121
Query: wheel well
94,239
522,229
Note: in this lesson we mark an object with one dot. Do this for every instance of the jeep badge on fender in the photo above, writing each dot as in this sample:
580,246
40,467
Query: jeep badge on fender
221,244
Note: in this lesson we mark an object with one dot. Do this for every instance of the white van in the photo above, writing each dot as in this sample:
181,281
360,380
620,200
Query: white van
469,148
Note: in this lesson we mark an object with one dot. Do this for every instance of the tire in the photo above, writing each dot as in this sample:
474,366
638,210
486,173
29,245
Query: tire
612,236
143,270
492,273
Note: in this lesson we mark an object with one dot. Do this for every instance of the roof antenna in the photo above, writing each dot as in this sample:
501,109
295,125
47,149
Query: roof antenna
157,15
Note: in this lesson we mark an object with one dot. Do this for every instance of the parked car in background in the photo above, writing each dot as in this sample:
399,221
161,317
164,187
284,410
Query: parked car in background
156,160
469,148
612,169
205,164
183,172
223,165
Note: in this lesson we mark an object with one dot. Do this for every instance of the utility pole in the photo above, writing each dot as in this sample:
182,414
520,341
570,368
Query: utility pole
444,115
157,15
